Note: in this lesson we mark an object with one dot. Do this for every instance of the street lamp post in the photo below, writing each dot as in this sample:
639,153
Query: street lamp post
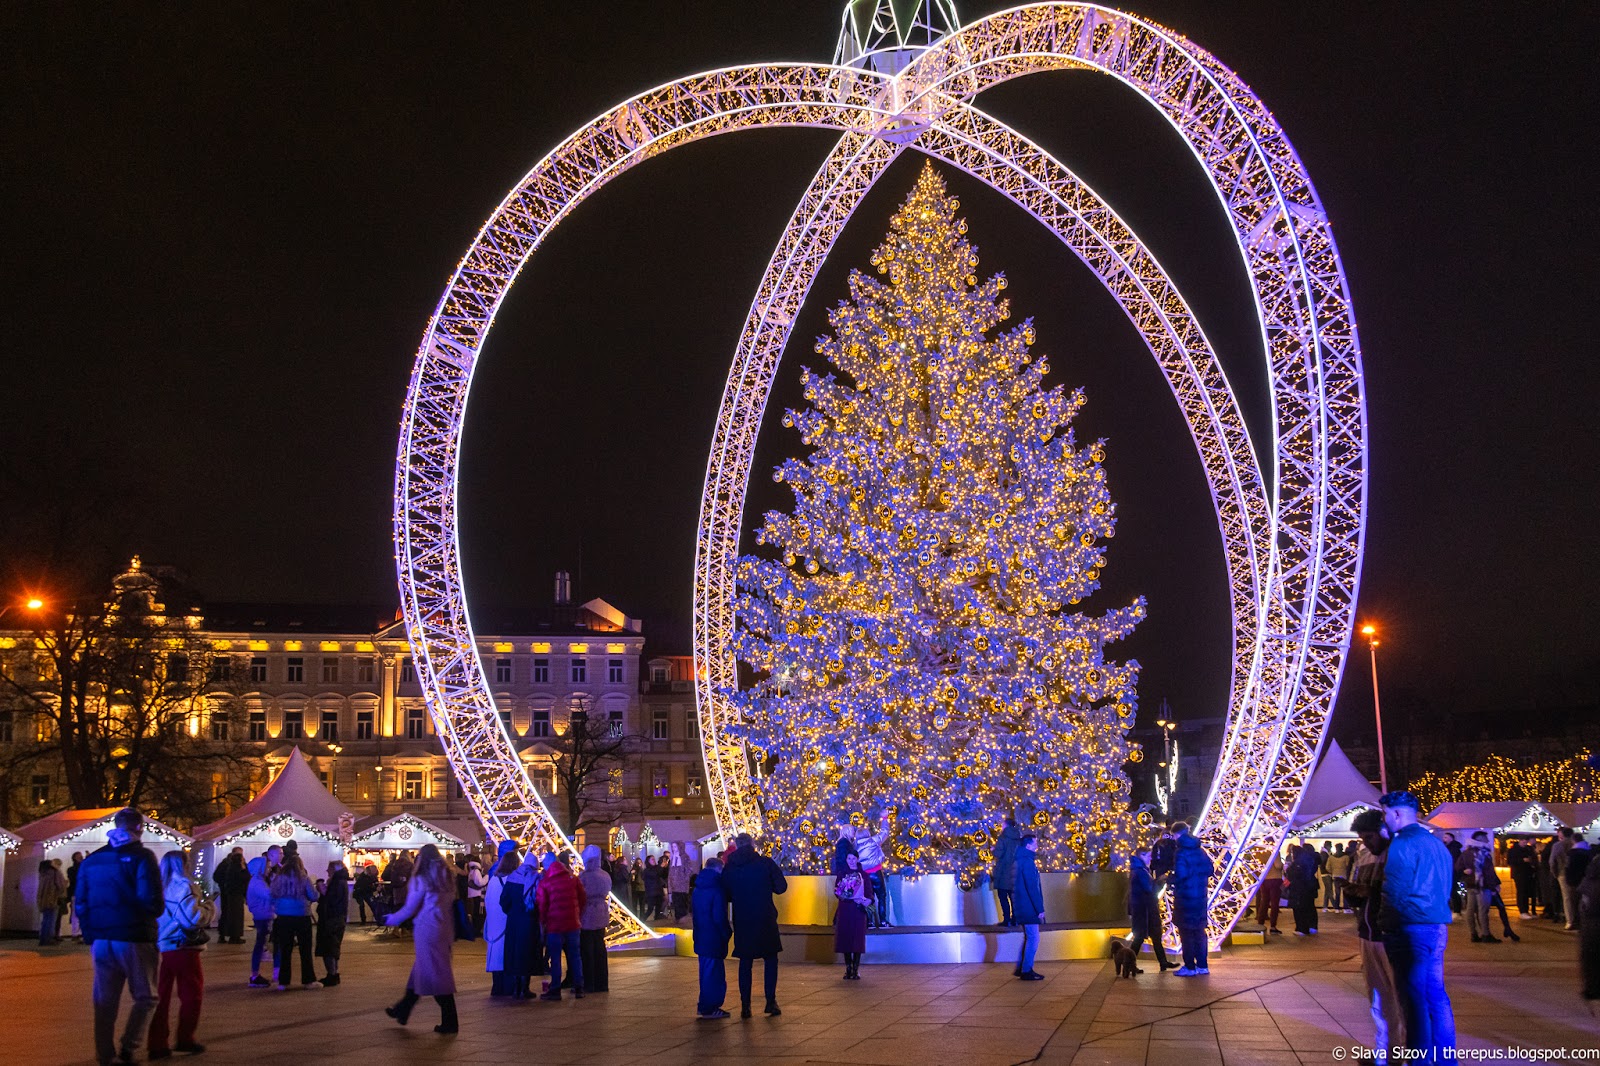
1371,633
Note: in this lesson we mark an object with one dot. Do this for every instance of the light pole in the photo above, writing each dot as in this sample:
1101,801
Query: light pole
1371,633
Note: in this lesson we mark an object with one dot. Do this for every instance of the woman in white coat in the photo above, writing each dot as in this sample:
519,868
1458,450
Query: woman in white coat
494,920
430,897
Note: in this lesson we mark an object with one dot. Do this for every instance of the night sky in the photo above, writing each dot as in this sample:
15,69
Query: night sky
225,226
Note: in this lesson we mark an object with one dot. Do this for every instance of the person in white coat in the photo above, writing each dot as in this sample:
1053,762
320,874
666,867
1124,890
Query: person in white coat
186,914
494,919
430,899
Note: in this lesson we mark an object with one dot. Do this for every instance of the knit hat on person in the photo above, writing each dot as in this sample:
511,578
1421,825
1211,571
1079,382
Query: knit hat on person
506,847
549,860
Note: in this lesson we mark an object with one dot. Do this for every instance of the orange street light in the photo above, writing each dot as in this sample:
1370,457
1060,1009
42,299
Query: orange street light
35,603
1371,633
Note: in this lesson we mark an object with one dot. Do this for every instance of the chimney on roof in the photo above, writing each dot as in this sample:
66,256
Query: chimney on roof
563,588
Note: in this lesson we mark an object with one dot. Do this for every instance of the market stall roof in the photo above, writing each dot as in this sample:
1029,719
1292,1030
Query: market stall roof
1575,815
1495,815
1335,787
372,830
673,830
61,826
9,841
295,791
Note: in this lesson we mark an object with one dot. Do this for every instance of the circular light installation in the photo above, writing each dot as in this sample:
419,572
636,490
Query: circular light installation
1293,552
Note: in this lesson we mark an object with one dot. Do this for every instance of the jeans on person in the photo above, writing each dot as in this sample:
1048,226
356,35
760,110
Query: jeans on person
714,985
880,894
180,967
1416,954
1269,897
554,945
1148,925
48,926
1005,905
118,963
1477,914
1327,892
1569,903
1030,947
1193,938
263,937
1388,1023
769,978
1491,898
289,930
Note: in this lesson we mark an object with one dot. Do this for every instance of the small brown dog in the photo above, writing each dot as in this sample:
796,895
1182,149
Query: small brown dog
1122,956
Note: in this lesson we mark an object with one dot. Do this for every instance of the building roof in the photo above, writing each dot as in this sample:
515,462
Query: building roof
54,828
1335,785
295,790
296,618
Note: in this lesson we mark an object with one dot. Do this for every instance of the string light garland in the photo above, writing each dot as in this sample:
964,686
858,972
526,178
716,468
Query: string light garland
1500,777
275,827
99,827
915,643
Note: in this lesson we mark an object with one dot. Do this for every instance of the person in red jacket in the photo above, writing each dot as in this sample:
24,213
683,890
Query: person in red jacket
561,898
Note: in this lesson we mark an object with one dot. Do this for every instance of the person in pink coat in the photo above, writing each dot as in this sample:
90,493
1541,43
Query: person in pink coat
430,895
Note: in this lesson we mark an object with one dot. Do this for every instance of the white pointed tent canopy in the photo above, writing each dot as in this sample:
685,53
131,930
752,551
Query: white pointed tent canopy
1293,552
293,806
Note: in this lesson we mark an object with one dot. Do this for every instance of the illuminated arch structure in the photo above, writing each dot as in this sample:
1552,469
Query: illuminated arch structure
903,78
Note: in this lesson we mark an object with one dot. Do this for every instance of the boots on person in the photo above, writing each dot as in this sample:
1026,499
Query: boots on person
401,1011
744,1009
447,1015
772,1007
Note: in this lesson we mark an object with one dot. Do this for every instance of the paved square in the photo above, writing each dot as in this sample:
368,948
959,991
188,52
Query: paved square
1292,1001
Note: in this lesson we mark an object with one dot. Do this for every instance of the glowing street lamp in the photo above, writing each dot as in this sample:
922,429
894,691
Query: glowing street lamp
1371,633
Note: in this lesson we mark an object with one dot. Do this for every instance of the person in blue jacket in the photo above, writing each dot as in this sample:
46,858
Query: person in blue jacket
711,935
1144,911
1192,871
1418,878
118,898
1027,903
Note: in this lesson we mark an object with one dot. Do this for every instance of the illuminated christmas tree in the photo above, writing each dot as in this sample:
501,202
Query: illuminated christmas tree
915,644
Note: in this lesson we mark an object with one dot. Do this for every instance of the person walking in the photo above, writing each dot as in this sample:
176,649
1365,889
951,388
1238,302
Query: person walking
1365,890
333,911
869,846
524,957
854,893
292,897
118,901
561,898
678,884
362,891
1301,873
750,880
233,882
1004,874
50,897
1028,906
1474,881
1418,878
495,920
258,898
430,891
1192,871
1144,912
596,884
711,935
181,937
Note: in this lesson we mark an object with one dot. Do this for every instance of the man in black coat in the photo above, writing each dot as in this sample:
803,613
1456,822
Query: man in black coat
232,882
750,880
118,900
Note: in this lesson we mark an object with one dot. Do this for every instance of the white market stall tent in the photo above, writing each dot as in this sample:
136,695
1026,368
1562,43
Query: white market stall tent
9,843
57,836
294,806
377,838
1513,817
1336,793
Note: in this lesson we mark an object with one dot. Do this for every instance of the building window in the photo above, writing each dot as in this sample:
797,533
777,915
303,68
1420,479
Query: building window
7,730
416,728
695,786
411,785
580,671
39,794
258,668
366,671
328,726
614,782
408,672
505,720
219,722
294,723
658,675
544,780
258,723
296,670
364,724
502,671
658,782
691,724
178,668
330,670
660,725
221,669
541,671
614,671
540,726
327,782
615,719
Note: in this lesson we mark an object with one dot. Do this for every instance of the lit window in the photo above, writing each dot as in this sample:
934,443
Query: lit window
614,671
540,727
258,668
364,724
660,725
296,670
544,780
580,671
416,726
695,786
411,785
294,723
658,781
614,782
330,671
219,722
40,792
408,672
366,671
328,726
505,720
502,671
615,718
541,671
